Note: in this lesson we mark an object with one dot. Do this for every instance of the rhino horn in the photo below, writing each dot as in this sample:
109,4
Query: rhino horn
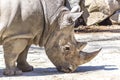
86,57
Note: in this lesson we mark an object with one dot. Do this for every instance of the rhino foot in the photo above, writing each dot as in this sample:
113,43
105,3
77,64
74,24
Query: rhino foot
12,72
25,68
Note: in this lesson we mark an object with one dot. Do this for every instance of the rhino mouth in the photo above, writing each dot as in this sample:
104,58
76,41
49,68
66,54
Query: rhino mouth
85,57
68,69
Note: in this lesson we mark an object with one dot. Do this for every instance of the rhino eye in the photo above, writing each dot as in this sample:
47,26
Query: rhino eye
71,21
67,48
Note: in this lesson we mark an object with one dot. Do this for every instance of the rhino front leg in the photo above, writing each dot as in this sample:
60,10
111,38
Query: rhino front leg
12,49
22,64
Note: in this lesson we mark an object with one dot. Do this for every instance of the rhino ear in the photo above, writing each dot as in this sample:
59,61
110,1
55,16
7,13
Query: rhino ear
69,19
74,16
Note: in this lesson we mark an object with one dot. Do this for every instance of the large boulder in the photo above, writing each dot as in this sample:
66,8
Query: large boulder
95,11
100,9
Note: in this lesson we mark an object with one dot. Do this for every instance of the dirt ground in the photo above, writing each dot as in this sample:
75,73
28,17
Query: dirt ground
105,66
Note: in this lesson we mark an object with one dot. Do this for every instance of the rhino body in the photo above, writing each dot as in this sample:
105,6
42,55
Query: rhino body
44,23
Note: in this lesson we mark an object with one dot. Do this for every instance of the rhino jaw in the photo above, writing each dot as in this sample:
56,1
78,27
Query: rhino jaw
86,57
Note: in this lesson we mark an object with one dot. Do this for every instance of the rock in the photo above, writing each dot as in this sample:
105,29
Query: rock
115,18
74,3
95,11
99,10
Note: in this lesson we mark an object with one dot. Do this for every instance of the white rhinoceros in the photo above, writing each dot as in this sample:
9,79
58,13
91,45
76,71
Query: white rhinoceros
42,22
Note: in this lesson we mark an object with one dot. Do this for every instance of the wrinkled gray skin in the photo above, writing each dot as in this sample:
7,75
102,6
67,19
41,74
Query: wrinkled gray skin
46,23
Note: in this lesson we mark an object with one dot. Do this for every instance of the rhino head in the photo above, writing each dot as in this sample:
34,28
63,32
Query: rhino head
62,48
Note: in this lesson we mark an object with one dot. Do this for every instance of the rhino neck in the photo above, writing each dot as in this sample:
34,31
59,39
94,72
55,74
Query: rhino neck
51,23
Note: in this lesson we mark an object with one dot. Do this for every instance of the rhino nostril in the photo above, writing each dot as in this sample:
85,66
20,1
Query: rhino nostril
65,69
70,69
67,48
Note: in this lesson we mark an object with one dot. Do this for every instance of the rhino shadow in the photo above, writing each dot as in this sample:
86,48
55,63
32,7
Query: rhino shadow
95,68
53,71
1,71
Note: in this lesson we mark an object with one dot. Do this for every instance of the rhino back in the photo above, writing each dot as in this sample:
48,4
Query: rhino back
26,20
52,6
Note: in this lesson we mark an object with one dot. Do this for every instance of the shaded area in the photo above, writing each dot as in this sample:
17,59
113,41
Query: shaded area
53,71
106,22
95,68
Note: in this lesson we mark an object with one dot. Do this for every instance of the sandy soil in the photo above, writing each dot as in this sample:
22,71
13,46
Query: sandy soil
105,66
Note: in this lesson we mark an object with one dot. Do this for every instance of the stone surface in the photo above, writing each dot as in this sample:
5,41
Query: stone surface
97,33
95,11
74,3
115,18
100,9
